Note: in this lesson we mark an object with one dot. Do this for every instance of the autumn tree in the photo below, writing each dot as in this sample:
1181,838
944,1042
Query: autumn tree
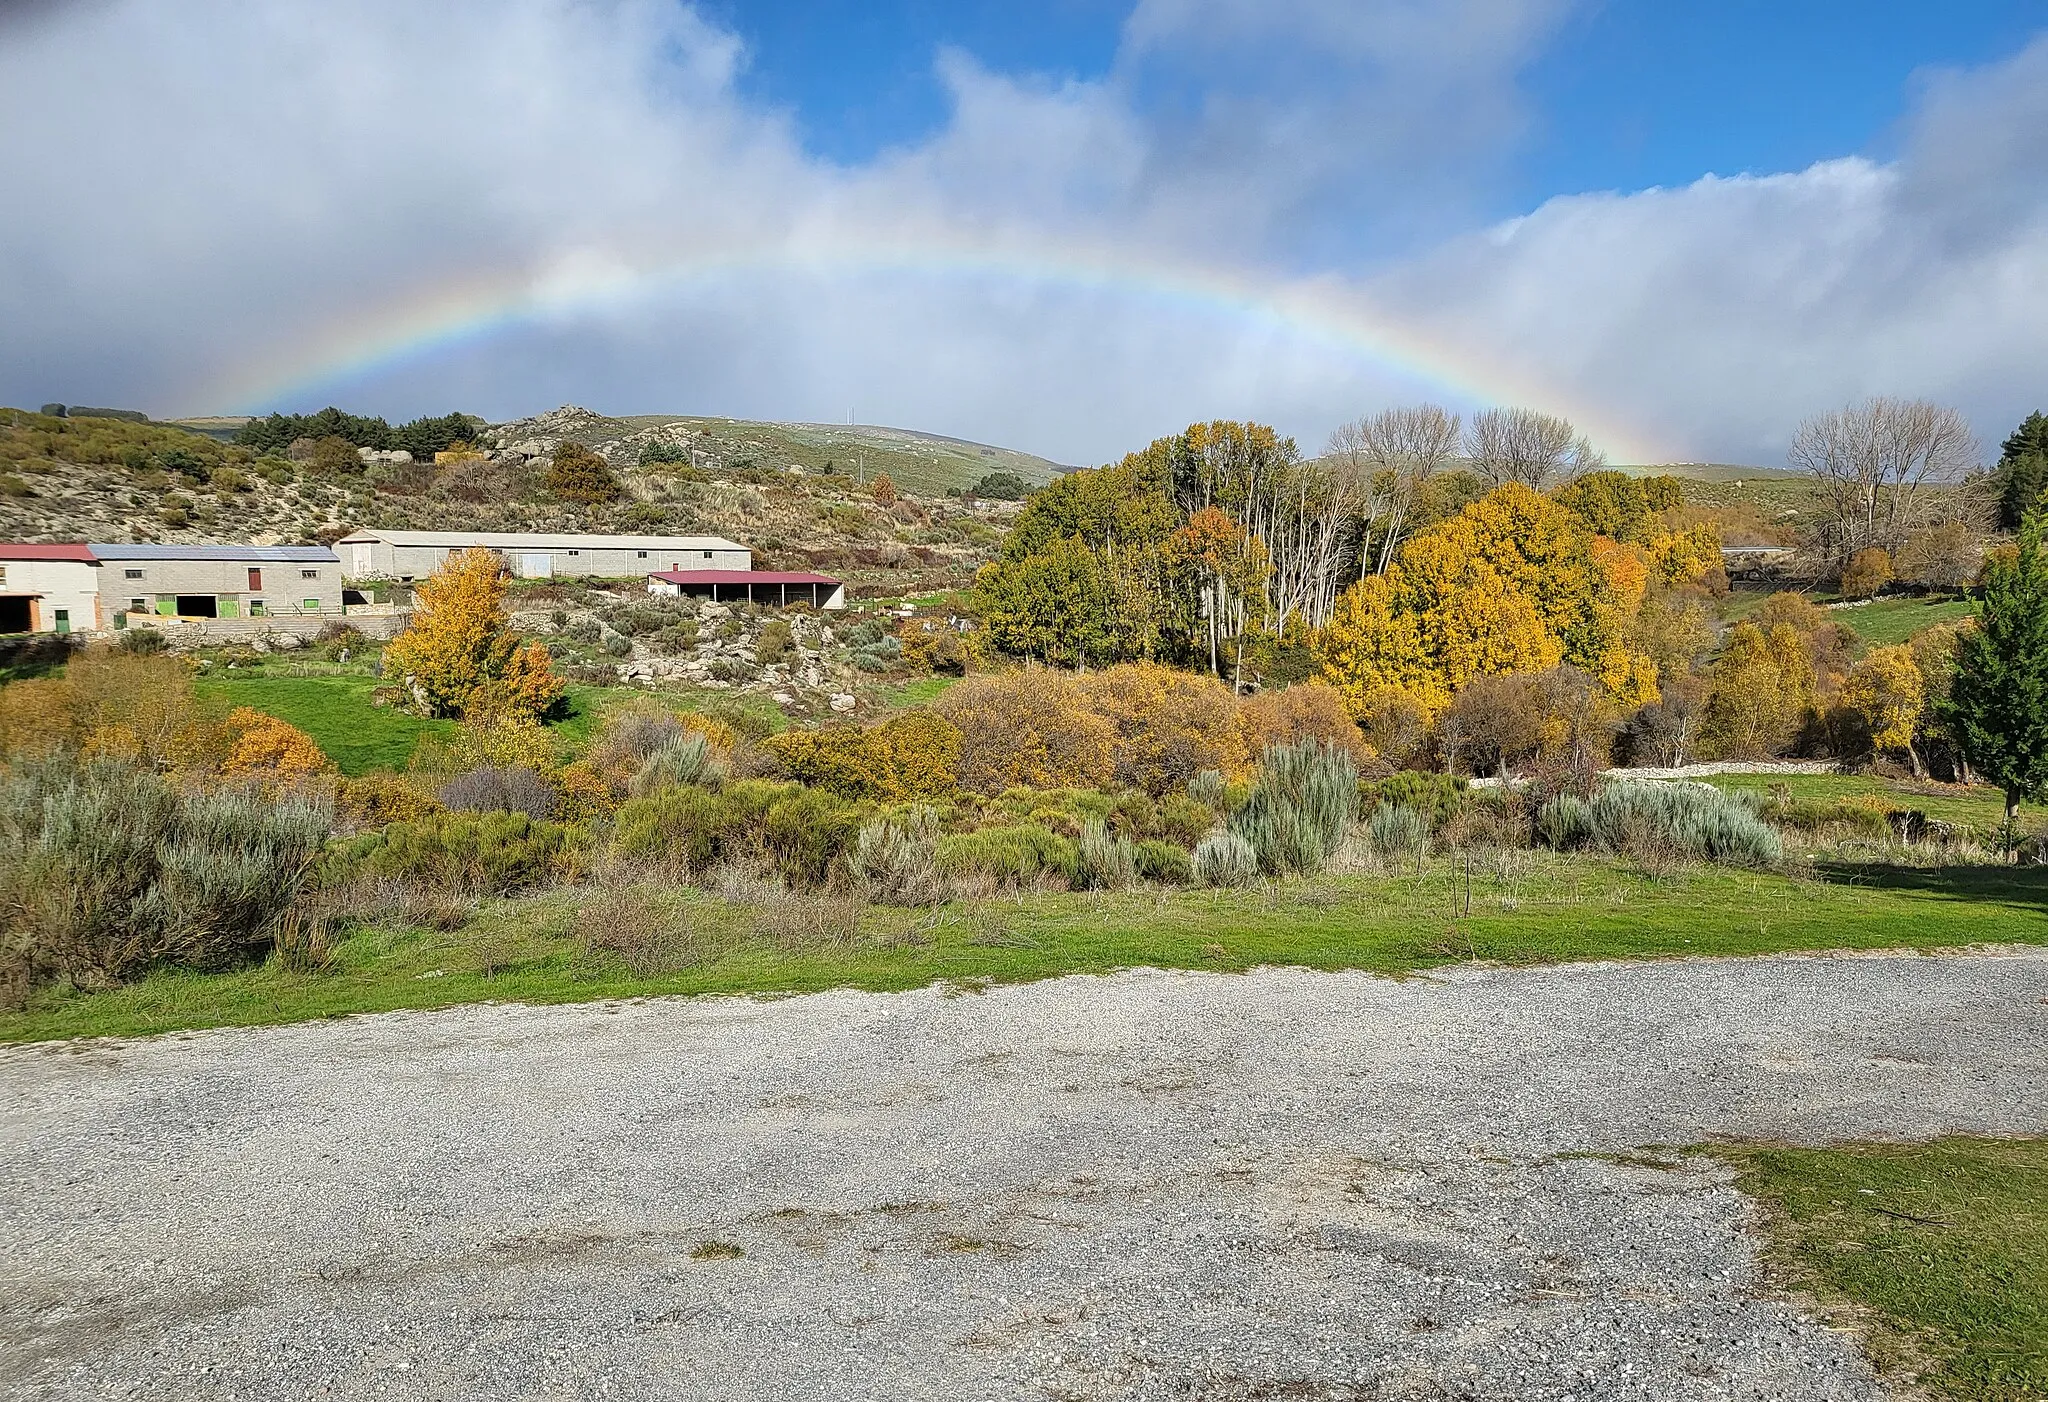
1940,557
1310,710
1029,728
1997,708
1619,506
575,473
1389,459
459,655
1168,725
1884,695
1761,695
1228,567
883,490
1867,572
265,745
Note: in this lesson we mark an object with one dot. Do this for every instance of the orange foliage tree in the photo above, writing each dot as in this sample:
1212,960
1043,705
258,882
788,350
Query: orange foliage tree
1309,710
458,654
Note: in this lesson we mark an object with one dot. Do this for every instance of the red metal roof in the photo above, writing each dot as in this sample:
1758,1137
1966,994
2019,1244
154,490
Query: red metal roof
742,577
11,550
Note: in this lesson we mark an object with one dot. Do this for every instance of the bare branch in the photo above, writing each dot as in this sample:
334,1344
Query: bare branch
1521,445
1876,462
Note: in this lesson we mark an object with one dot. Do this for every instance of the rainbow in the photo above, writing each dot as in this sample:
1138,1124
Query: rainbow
1322,313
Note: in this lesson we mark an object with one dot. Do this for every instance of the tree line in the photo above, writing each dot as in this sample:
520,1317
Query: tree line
422,437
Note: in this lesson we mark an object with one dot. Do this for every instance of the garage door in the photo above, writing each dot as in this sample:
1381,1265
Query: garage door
536,566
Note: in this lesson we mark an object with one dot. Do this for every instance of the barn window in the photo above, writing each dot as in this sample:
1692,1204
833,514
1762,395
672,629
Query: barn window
132,574
309,574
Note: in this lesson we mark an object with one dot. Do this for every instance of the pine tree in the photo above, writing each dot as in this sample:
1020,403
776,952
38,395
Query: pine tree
2023,470
1997,709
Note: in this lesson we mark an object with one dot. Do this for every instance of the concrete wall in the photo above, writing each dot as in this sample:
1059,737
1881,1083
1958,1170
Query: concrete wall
69,585
284,590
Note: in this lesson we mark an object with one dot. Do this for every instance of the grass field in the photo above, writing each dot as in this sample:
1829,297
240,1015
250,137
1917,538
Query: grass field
1940,1249
1979,808
336,711
1896,618
1526,908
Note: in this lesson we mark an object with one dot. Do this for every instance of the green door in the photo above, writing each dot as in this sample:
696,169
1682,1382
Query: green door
63,620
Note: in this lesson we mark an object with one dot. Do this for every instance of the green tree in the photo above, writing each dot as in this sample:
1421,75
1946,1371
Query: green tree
2023,470
1997,706
578,474
1059,604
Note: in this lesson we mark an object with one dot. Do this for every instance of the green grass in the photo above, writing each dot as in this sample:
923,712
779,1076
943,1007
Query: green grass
1535,908
921,691
1978,808
1940,1248
336,711
1882,622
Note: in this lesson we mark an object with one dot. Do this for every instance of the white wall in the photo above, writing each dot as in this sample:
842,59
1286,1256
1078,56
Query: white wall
71,585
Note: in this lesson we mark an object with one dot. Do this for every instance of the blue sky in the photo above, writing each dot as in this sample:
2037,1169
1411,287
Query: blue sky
1066,226
1632,93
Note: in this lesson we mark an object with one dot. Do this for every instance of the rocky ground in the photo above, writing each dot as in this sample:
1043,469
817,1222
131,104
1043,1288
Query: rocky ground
1280,1185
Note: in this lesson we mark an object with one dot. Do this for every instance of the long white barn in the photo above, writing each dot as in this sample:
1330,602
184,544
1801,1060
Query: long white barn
410,555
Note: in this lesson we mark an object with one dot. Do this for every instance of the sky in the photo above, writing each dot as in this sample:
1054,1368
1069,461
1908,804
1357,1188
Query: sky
1068,226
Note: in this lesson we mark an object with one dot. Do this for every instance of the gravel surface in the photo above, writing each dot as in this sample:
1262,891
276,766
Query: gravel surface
1282,1185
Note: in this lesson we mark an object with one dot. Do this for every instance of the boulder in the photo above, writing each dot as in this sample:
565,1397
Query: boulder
841,702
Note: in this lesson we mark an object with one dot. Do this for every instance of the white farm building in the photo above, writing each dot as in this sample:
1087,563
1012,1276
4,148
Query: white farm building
410,555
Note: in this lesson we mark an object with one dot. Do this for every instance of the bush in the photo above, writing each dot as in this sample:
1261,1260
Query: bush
142,642
1300,807
1108,861
683,827
1028,728
895,861
1207,788
1167,725
1009,856
1225,859
804,833
649,931
914,755
1438,797
492,852
1868,571
1306,711
376,799
681,760
111,869
1641,820
1396,832
776,641
515,789
1565,822
1183,819
1164,863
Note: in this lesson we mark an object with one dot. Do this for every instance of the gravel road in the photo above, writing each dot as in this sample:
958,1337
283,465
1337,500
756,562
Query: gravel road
1282,1185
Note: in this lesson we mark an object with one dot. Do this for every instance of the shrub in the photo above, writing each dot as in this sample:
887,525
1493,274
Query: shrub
776,641
894,861
805,922
1183,819
1027,728
1168,725
1207,788
492,852
263,744
1868,571
914,755
1009,855
491,790
1164,863
1636,818
1108,862
142,642
577,474
649,931
1300,806
681,760
1565,822
376,799
1225,859
1396,832
803,834
1438,797
111,869
683,827
1306,711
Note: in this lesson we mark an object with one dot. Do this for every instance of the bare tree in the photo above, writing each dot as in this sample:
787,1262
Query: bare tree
1521,445
1387,457
1880,465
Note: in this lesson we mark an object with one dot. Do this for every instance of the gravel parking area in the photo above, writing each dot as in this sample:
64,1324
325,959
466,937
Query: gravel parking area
1282,1185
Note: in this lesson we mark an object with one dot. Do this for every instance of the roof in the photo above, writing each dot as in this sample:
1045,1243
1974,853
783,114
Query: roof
742,577
10,550
279,554
521,540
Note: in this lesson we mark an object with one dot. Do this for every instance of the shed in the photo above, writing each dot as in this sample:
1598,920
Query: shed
410,555
777,587
49,589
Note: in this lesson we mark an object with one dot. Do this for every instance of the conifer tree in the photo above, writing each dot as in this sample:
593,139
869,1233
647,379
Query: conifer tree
1997,708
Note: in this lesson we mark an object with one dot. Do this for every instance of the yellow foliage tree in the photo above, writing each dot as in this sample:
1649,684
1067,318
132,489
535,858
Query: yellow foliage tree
1685,556
1762,693
883,490
1309,710
266,745
1372,644
458,652
1886,694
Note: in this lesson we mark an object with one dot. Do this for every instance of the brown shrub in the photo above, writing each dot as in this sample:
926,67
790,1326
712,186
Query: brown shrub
1168,725
1311,710
1868,571
1027,729
650,931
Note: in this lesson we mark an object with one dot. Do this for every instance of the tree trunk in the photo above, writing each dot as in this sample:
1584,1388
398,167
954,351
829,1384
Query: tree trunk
1913,755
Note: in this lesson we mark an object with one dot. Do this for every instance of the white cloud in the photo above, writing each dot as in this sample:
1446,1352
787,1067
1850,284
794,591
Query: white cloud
215,187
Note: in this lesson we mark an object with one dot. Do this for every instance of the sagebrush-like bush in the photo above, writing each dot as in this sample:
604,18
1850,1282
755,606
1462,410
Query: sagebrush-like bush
108,868
680,760
1108,861
894,861
1225,859
1565,822
1207,787
515,789
1300,806
1697,820
1397,833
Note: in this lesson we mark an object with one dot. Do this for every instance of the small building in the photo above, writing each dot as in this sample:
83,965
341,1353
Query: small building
220,581
409,555
49,589
777,588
